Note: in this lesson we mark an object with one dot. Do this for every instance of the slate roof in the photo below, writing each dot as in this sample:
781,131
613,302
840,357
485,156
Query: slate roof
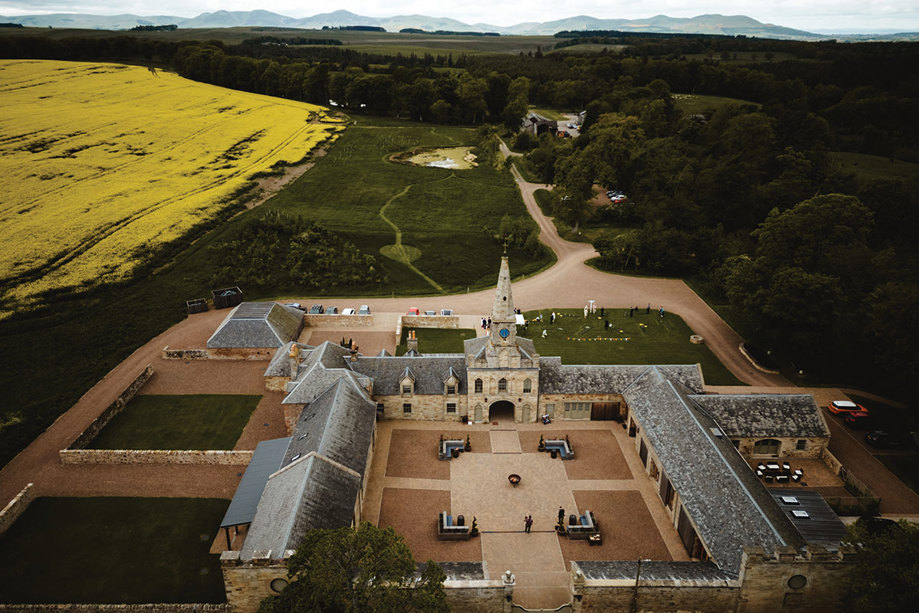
280,362
652,570
257,324
556,378
338,424
265,461
430,371
476,346
725,500
456,571
765,415
821,527
321,369
307,494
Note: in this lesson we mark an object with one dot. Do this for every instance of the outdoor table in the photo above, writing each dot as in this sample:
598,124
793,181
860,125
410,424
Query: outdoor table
773,466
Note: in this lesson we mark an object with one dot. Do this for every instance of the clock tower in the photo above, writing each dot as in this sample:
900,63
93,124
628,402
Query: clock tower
503,331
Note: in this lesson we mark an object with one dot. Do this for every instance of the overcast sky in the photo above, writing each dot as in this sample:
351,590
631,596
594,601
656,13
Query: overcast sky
813,15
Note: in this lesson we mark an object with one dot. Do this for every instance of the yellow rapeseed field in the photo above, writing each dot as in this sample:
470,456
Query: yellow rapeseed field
101,162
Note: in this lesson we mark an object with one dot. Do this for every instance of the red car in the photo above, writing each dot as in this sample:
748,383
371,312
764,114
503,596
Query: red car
414,311
842,407
859,420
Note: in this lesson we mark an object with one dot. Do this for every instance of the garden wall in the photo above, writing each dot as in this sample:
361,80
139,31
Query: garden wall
430,321
92,431
184,354
183,607
155,456
337,321
15,507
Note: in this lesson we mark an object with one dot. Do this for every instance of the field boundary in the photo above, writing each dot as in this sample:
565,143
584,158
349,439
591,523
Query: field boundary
16,507
116,407
155,456
93,608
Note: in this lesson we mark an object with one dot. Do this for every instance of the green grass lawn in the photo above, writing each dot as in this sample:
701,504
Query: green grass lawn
113,550
651,340
437,340
552,114
544,200
692,104
206,421
870,167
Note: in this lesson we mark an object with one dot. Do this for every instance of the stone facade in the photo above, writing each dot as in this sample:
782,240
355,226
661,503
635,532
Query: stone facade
154,456
424,407
117,405
481,596
526,404
247,583
184,354
241,353
813,447
430,321
557,401
337,321
15,507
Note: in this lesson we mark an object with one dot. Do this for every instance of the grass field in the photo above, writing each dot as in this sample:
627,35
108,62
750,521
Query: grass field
206,421
103,163
432,229
692,104
640,339
113,550
870,167
437,340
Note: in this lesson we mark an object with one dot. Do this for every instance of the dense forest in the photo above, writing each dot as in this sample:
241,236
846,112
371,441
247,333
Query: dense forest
821,265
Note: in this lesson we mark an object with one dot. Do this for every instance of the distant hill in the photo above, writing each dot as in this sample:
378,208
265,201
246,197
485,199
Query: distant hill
702,24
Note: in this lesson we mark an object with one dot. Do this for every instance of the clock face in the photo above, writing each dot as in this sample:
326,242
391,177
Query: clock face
504,333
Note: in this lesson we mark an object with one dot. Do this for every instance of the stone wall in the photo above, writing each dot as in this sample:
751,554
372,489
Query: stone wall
430,321
425,407
247,583
182,607
92,431
345,322
241,353
814,450
476,596
851,481
559,401
184,354
15,507
155,456
276,384
702,594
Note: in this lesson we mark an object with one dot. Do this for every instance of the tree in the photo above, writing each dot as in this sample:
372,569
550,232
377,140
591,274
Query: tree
367,569
886,573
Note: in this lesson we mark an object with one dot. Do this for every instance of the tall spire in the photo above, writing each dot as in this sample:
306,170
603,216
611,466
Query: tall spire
503,309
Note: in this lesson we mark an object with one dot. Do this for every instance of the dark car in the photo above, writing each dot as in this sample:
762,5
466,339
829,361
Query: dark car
859,420
316,309
889,440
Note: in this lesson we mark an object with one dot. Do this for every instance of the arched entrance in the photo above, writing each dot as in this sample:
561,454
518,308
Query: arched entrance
501,411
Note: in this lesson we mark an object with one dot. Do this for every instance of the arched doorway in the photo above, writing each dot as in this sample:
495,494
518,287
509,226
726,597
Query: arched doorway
501,411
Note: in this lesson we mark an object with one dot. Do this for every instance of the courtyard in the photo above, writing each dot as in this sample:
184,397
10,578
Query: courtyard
409,486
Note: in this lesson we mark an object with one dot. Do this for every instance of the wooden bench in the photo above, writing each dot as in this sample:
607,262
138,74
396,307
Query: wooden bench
447,531
445,451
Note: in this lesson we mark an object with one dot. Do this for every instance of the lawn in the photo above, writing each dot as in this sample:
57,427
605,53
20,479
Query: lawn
692,104
871,167
641,339
206,421
437,340
549,113
113,550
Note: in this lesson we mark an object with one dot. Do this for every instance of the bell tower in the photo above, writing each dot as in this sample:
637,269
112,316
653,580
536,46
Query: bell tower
503,331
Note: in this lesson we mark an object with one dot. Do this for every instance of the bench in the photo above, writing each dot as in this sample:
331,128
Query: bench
447,531
445,451
560,446
584,525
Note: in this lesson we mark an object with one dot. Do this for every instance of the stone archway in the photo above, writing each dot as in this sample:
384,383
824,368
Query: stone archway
502,411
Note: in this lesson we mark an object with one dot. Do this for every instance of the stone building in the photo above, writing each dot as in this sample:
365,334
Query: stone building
748,553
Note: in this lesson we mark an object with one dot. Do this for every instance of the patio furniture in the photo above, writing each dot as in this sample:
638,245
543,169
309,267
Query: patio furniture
514,479
558,447
773,466
448,530
796,478
582,526
799,472
448,447
759,473
768,478
786,466
595,539
781,479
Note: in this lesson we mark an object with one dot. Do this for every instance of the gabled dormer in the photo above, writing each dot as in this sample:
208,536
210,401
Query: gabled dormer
407,382
451,383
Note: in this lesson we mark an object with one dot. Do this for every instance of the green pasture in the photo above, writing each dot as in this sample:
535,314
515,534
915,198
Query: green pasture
433,230
644,338
113,550
692,104
872,167
198,421
436,340
552,114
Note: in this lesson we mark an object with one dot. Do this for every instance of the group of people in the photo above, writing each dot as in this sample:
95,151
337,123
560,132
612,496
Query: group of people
528,520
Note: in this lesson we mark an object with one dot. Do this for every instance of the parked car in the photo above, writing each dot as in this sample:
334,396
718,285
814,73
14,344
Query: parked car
889,440
347,312
430,313
414,311
296,305
316,309
446,312
364,310
331,311
840,407
859,420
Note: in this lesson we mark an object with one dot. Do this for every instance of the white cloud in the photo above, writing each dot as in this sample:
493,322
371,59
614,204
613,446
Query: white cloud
814,14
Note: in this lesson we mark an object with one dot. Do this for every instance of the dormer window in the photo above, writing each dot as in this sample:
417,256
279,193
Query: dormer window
451,389
406,388
407,382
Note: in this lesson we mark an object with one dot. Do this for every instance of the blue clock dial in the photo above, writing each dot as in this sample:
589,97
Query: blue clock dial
504,332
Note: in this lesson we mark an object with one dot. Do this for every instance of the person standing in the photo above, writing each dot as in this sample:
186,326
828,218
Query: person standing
662,311
527,523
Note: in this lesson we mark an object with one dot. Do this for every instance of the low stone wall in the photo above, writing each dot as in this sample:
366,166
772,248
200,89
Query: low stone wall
476,596
865,495
92,431
15,507
241,353
430,321
337,321
154,456
93,608
184,354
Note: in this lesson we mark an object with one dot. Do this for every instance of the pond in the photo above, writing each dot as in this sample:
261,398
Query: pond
454,158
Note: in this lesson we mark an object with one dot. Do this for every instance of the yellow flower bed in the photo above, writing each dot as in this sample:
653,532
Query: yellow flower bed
101,162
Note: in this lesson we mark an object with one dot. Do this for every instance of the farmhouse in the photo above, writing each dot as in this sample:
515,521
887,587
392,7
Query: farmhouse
743,549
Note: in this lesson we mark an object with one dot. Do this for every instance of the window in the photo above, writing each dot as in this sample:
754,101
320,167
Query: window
527,386
502,385
406,389
478,386
802,445
451,407
577,410
451,389
768,446
407,408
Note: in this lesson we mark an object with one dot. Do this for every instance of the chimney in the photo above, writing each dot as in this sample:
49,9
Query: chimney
354,354
411,343
294,358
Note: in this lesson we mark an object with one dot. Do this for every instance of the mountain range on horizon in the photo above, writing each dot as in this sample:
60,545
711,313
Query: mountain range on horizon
702,24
